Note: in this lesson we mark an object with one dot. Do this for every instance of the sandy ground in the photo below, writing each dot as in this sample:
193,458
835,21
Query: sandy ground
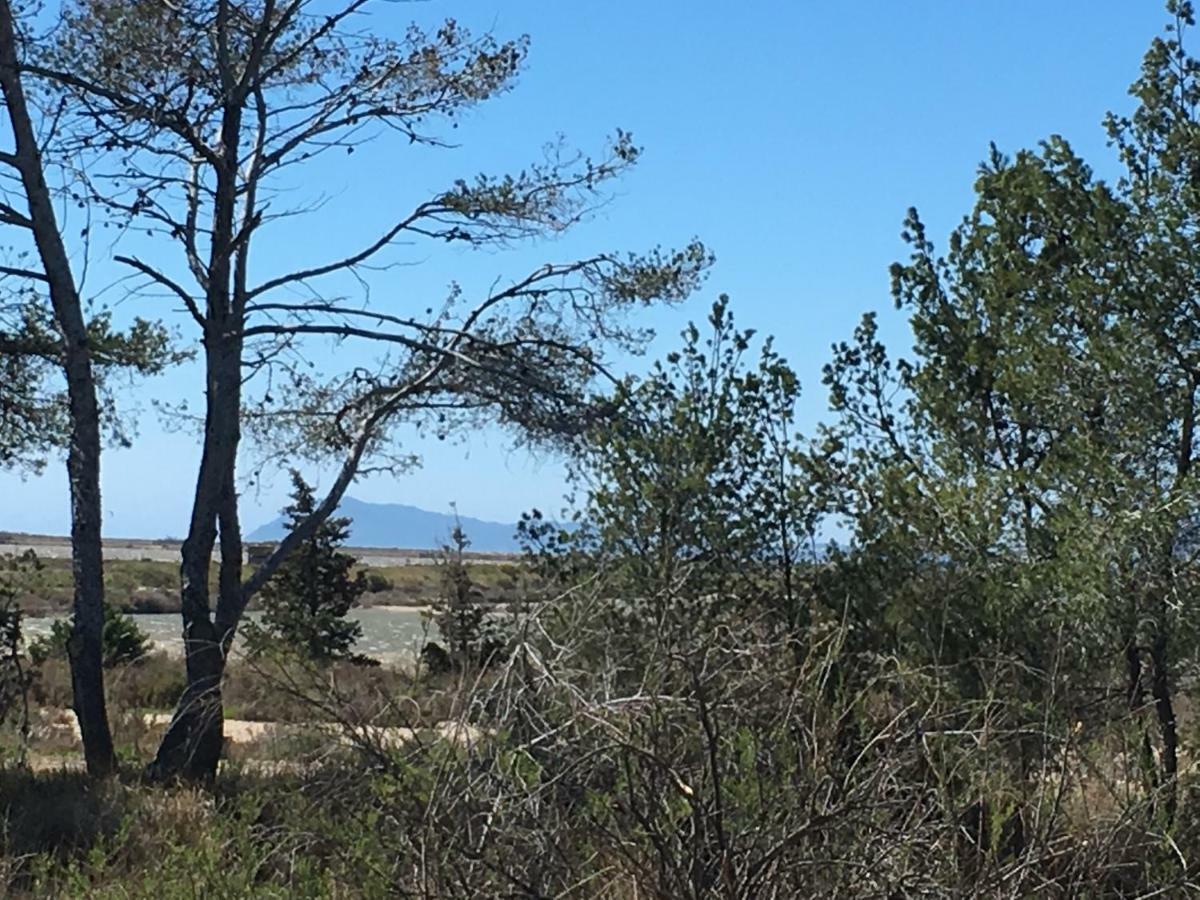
61,727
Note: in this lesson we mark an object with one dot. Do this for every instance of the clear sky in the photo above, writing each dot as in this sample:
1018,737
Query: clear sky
790,136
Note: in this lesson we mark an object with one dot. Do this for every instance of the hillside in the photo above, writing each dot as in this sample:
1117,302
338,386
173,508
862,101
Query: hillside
398,525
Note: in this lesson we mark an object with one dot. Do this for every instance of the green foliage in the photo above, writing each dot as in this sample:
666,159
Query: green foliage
306,601
461,615
1029,474
33,417
691,489
15,677
32,421
961,701
376,583
121,642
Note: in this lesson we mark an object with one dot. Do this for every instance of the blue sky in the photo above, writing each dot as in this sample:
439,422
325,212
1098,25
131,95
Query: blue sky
789,136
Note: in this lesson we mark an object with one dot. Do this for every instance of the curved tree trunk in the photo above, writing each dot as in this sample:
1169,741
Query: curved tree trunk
83,456
192,745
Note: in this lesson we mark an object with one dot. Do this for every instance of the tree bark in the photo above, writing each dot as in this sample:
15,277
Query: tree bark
83,455
1160,690
1136,697
192,745
191,748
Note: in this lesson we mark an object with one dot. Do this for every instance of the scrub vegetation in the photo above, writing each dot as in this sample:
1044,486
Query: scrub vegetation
983,687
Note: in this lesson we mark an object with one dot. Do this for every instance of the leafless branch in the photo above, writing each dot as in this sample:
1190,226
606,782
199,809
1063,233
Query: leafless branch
170,284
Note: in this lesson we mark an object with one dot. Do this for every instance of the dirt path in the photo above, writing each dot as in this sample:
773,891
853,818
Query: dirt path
59,729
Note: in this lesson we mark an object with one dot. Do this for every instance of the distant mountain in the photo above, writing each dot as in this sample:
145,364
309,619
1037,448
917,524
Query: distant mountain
397,525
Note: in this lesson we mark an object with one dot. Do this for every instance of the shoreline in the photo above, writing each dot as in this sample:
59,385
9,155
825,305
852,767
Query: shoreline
398,607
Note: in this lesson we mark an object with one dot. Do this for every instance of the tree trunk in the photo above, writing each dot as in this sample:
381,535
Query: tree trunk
1137,698
1135,691
1160,689
83,456
85,646
192,745
191,748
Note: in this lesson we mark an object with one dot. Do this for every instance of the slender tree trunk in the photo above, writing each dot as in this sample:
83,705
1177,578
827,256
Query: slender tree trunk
1160,689
230,601
1135,692
83,456
85,646
1163,773
1136,697
1160,685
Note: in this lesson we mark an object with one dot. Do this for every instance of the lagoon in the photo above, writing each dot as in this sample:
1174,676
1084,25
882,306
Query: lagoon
390,633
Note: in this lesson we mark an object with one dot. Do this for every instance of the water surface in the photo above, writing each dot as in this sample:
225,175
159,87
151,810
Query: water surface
390,633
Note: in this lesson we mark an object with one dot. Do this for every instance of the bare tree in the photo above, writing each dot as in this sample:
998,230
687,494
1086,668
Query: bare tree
193,111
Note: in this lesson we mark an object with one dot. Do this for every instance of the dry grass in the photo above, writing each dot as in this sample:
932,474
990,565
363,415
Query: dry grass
151,586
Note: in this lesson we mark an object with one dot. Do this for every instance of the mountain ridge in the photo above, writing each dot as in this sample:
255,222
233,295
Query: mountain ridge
402,525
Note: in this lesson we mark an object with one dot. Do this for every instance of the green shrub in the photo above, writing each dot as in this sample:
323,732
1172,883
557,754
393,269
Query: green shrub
472,637
376,583
122,641
15,679
306,601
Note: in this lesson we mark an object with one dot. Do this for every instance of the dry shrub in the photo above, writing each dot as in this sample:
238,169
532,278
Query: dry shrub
703,757
718,761
286,688
153,682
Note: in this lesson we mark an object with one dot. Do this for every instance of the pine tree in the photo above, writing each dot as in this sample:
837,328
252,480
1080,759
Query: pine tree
306,601
121,640
458,613
473,638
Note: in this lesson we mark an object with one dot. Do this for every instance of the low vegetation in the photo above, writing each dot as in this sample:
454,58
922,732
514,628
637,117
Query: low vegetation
150,586
121,640
985,688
